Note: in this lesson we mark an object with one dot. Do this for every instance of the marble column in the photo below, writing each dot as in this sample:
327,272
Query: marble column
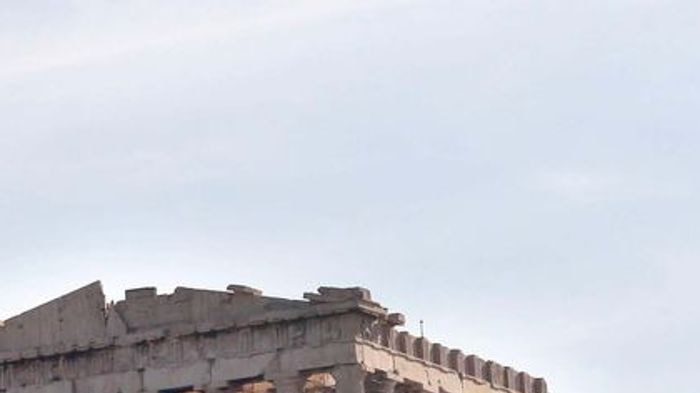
289,383
380,383
349,379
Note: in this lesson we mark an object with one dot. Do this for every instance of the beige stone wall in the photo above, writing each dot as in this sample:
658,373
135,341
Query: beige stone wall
231,342
67,319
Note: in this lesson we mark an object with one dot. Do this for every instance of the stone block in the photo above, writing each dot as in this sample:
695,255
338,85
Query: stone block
333,294
405,343
244,290
474,366
539,386
396,319
421,349
389,337
141,293
509,375
493,372
523,383
456,361
438,354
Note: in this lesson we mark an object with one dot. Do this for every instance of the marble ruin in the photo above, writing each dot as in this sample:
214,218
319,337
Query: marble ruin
337,340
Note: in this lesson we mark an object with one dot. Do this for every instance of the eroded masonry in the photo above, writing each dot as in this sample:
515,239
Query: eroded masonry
236,341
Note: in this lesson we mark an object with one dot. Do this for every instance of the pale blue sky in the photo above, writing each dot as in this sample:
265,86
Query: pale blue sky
521,175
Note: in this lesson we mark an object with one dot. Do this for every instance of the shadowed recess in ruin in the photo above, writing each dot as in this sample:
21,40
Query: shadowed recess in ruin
193,340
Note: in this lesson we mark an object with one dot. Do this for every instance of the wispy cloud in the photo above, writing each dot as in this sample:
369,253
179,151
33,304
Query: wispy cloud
94,33
592,187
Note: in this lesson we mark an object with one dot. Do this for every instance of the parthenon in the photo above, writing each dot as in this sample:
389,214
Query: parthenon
235,341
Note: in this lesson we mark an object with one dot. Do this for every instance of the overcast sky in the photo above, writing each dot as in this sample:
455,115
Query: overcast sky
521,175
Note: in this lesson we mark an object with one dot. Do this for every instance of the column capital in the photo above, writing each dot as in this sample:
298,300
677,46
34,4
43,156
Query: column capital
380,382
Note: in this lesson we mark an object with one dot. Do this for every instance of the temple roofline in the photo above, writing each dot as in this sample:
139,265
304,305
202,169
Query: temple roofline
81,322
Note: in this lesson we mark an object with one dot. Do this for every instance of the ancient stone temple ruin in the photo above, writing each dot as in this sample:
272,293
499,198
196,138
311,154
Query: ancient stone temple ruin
235,341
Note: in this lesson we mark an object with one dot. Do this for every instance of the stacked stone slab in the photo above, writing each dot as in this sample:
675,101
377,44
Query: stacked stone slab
468,366
219,341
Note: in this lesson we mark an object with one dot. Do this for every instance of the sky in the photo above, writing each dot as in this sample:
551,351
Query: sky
523,176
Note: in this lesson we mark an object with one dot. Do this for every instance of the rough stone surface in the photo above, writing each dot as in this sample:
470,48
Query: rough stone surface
339,340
